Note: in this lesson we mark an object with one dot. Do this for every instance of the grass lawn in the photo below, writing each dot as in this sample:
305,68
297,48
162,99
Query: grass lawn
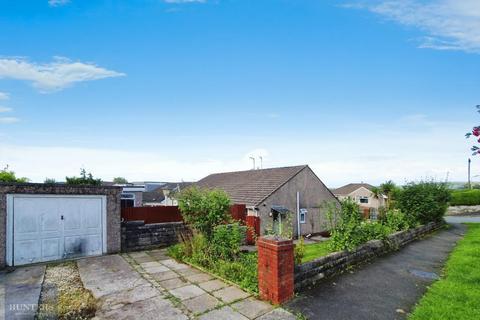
457,294
316,250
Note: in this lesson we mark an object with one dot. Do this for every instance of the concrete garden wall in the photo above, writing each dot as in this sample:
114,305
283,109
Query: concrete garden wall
308,273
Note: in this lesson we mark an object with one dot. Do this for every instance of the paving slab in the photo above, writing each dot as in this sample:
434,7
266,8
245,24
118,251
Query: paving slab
160,276
188,271
21,288
143,259
201,303
150,309
230,294
279,314
187,292
136,255
252,308
225,313
108,274
212,285
174,283
392,282
198,278
121,291
174,265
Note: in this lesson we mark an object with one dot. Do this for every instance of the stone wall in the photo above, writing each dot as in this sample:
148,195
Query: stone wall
113,207
136,235
463,210
308,273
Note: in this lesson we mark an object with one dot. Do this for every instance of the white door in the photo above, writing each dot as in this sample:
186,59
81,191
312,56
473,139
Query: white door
46,228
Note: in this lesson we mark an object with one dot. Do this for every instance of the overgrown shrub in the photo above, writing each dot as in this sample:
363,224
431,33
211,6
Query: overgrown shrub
465,198
424,201
204,209
348,230
397,220
226,241
299,252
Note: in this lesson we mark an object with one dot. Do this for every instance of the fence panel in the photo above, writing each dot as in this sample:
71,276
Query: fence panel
149,215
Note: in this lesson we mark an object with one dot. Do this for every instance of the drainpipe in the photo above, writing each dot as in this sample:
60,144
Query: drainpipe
298,216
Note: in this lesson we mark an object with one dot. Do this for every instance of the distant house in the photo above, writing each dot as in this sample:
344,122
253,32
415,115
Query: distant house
362,194
162,195
271,194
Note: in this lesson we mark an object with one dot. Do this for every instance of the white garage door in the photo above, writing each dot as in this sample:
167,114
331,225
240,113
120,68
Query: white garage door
44,228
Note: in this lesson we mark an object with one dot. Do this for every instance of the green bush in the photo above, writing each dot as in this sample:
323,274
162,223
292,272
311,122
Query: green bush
465,198
424,201
84,179
204,209
299,252
397,220
226,241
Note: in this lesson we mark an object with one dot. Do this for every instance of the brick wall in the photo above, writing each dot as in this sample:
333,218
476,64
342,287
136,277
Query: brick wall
275,269
136,235
308,273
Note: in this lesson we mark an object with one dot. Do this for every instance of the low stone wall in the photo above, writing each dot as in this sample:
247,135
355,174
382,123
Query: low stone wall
308,273
463,210
136,235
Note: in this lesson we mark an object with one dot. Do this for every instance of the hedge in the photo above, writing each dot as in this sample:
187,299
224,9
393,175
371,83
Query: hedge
465,198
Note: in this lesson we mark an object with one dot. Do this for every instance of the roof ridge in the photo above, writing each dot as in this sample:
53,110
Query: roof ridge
264,169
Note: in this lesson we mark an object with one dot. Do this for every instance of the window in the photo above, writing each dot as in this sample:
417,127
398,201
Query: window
363,199
303,215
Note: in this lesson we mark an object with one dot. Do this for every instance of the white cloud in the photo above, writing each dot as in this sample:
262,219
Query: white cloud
4,96
8,120
447,24
58,3
54,76
5,109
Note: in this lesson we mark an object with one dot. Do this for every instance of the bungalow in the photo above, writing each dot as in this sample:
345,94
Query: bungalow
363,195
280,197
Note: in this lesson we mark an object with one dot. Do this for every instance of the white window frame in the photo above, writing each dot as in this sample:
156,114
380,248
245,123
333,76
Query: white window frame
303,213
360,198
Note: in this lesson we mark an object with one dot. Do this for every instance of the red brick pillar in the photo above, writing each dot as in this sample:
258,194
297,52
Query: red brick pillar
275,269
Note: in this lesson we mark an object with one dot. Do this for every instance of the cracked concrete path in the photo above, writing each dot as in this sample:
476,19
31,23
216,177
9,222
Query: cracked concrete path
150,285
387,288
122,292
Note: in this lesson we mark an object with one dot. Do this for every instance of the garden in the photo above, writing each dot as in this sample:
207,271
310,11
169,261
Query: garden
214,242
408,207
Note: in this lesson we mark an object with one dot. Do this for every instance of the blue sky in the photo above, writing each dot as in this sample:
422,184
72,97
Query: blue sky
172,90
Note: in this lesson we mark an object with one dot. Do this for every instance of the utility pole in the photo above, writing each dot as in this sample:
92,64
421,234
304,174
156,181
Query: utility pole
469,180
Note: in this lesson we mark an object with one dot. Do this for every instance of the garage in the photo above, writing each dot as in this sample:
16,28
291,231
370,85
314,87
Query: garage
55,222
45,228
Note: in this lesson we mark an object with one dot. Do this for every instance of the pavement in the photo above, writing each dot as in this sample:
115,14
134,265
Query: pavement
19,292
387,288
463,219
150,285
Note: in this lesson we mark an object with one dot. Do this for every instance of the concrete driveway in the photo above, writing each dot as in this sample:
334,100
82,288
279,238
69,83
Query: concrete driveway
388,288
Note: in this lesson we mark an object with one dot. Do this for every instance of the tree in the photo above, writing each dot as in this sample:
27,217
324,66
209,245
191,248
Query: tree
84,179
204,209
49,181
120,180
9,176
476,133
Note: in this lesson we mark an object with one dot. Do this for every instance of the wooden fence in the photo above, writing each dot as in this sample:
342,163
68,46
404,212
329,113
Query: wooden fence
159,214
163,214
